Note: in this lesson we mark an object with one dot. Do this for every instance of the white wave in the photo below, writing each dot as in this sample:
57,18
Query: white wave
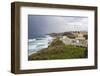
30,40
38,44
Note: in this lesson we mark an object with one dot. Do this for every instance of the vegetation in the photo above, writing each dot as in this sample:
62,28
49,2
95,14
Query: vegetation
58,50
69,34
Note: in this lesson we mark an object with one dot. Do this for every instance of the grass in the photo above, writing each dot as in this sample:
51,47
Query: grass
58,50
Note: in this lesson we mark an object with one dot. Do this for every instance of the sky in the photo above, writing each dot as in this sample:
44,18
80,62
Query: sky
39,24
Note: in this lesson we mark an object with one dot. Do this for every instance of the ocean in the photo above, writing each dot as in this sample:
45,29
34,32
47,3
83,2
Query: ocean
39,42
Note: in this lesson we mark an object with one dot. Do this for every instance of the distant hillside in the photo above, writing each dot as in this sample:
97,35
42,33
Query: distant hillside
71,34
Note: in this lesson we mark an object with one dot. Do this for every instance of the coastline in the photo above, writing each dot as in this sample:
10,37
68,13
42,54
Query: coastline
63,46
36,45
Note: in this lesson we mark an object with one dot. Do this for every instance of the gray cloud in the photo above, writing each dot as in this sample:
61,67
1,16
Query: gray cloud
53,24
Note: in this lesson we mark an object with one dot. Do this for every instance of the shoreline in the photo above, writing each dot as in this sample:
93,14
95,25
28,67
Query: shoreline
63,45
58,50
44,43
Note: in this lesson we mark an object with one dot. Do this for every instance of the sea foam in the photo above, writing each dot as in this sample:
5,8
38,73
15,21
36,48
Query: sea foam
36,44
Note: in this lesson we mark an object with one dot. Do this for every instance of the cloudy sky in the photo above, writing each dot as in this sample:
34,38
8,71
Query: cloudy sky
55,24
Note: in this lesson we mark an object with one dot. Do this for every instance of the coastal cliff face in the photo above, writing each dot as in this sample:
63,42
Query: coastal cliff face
72,38
64,46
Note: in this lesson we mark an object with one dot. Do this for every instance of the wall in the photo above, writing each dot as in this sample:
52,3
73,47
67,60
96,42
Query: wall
5,33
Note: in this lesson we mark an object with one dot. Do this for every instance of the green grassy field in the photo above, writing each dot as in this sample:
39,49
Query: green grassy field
58,50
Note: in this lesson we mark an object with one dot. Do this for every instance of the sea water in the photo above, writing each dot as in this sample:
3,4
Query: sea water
37,43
